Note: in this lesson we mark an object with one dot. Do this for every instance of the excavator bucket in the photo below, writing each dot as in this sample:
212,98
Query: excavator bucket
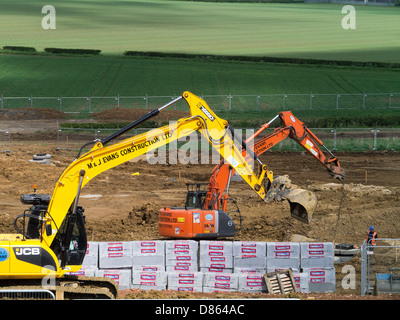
302,202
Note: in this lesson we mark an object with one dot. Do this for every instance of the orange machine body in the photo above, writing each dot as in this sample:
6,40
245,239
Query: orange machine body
195,223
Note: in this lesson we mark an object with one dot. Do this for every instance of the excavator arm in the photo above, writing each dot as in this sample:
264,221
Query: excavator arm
296,130
63,212
302,202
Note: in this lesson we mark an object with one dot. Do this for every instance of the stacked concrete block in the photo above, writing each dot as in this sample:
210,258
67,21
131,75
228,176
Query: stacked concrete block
302,281
87,271
148,268
317,254
181,255
175,264
92,255
185,281
214,281
148,253
252,282
321,279
149,280
216,256
115,255
248,254
123,277
283,255
249,270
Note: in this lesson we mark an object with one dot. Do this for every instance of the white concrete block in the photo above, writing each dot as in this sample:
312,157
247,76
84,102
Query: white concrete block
217,270
224,247
249,262
185,279
252,282
250,270
148,260
186,288
149,268
143,278
149,247
114,255
216,261
321,279
302,281
283,250
174,246
221,280
123,277
249,249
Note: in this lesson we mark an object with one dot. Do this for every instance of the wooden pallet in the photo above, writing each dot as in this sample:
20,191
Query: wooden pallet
280,282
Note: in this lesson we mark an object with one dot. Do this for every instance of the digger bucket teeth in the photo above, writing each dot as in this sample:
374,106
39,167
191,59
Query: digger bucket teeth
337,173
302,202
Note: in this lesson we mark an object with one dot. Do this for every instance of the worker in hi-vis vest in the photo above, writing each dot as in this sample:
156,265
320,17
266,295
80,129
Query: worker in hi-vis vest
371,238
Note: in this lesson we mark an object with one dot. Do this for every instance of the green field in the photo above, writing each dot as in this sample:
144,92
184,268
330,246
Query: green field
280,30
251,29
54,76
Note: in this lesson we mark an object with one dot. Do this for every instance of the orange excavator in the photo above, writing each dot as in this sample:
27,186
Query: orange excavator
205,213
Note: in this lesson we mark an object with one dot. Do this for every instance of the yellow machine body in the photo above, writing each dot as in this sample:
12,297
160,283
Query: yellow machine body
57,243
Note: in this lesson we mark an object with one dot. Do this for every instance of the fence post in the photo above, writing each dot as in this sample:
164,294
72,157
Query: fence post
58,138
375,131
146,98
311,96
230,102
364,95
31,101
257,101
364,268
334,139
390,99
60,99
1,99
118,100
337,100
284,101
90,104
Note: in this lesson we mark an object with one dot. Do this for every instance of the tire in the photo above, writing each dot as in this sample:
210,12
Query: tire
41,156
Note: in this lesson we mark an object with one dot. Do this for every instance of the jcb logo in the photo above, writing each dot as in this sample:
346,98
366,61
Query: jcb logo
27,251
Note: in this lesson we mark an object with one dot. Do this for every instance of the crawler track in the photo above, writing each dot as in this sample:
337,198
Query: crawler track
69,287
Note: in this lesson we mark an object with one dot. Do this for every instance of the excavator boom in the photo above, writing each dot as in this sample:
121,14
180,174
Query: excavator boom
302,202
56,225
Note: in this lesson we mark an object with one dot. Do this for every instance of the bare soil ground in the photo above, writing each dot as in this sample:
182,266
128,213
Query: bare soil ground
122,206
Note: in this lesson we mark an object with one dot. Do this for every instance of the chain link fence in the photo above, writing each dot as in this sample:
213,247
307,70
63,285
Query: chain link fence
309,101
349,139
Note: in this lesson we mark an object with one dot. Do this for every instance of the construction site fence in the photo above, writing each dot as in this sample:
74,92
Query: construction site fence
349,139
229,102
381,258
335,139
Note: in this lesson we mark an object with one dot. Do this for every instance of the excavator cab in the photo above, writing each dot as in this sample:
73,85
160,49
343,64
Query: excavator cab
70,244
32,219
195,196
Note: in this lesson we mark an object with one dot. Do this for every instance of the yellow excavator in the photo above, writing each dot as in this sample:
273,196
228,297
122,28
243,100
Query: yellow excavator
52,240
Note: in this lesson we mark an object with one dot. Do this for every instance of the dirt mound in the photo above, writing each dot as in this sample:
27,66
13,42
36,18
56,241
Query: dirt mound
31,114
133,114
